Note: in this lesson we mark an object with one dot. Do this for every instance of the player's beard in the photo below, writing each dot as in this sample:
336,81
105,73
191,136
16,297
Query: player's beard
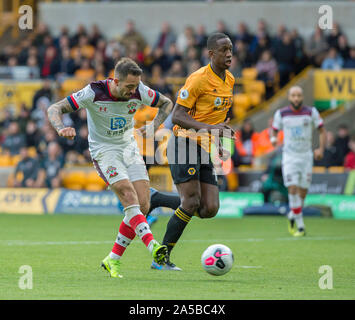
297,106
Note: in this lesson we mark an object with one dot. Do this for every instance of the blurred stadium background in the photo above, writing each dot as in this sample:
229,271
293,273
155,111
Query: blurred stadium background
277,44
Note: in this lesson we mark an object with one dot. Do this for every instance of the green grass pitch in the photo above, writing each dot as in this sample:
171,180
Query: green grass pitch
65,251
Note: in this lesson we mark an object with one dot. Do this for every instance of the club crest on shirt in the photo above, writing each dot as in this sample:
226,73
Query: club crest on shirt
112,171
132,107
305,122
184,94
217,101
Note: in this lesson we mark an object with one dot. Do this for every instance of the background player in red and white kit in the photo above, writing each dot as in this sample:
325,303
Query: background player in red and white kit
298,121
111,105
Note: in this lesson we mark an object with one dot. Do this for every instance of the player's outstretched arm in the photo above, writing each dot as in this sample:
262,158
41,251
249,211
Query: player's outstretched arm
55,112
182,118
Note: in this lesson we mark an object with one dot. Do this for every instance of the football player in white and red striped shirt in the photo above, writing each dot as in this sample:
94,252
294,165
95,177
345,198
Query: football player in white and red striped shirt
111,105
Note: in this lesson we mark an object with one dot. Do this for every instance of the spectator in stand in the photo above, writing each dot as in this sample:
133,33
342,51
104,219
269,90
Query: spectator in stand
222,28
342,143
49,58
176,70
161,59
243,34
166,37
193,66
301,60
330,153
65,65
201,37
14,139
277,39
242,53
267,70
95,35
80,31
81,143
45,91
261,46
40,33
33,134
350,62
131,35
40,113
85,48
316,47
235,67
23,118
333,61
24,51
349,162
343,47
86,72
26,172
333,36
50,173
285,57
48,136
184,38
173,54
245,142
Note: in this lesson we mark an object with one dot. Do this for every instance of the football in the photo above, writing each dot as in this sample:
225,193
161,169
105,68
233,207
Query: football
217,259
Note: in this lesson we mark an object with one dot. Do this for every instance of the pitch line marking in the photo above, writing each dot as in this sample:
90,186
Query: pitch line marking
86,242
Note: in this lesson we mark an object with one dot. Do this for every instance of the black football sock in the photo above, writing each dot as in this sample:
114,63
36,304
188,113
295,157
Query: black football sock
160,199
175,228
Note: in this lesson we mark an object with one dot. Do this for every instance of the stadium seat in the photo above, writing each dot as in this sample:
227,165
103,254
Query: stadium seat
256,86
249,73
94,182
317,169
5,160
242,101
71,85
15,160
75,180
255,98
336,170
32,152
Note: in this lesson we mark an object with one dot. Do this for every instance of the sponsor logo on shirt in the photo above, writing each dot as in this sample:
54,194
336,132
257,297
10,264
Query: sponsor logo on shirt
184,94
118,123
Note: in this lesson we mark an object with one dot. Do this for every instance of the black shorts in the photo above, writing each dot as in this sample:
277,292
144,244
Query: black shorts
188,161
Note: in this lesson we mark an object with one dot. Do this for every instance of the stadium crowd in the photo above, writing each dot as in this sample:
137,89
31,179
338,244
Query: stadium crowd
88,54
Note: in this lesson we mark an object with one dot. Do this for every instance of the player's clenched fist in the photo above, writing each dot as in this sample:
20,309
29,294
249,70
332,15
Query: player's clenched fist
67,132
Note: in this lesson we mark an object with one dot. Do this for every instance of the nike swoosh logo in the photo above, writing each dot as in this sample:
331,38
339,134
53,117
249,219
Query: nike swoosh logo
220,254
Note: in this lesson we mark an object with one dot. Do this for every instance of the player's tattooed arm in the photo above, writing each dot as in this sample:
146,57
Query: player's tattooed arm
55,112
165,106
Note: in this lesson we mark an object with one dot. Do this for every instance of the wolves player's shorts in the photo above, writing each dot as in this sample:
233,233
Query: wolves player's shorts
120,163
297,171
188,161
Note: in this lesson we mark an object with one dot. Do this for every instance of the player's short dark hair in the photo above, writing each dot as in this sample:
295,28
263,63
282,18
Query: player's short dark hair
213,38
126,66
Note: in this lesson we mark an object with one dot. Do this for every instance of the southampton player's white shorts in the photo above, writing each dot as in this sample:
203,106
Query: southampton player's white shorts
297,171
120,162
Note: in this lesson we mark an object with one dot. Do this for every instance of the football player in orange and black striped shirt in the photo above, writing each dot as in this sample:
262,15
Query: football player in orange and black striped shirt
202,105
